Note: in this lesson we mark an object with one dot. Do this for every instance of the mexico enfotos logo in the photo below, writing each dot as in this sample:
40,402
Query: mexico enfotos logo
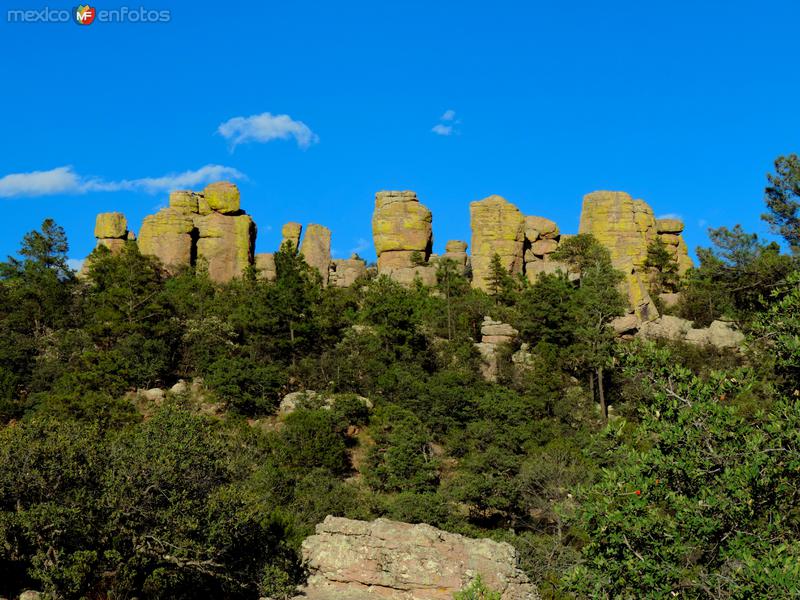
85,14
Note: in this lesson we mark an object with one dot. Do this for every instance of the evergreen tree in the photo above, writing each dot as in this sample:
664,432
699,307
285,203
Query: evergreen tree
782,196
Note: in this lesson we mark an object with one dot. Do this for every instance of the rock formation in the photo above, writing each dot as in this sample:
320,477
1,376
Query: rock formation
626,227
111,231
291,233
493,334
360,560
265,266
316,249
720,334
345,271
208,226
403,235
541,240
498,227
669,231
456,250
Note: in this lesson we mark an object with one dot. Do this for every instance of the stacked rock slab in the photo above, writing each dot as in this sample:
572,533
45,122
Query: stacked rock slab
111,231
316,249
626,227
291,233
669,231
345,271
456,250
207,226
498,227
403,234
493,334
541,240
365,560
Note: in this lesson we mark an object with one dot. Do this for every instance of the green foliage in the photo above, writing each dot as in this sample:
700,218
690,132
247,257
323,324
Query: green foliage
735,278
701,498
500,283
476,590
401,459
663,266
782,197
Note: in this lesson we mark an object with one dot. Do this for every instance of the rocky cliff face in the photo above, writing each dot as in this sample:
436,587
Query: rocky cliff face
111,231
359,560
316,249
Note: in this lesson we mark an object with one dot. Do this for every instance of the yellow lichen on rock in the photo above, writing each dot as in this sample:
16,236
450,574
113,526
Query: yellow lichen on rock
498,227
167,236
291,233
111,225
626,227
222,196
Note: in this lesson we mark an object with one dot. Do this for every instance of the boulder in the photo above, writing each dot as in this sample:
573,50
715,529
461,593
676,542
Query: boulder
365,560
539,227
31,595
456,250
179,388
265,266
311,399
167,236
226,244
722,334
669,226
625,324
498,227
222,196
401,229
316,249
669,299
185,201
535,266
496,328
544,246
345,271
666,327
626,227
291,233
409,275
153,395
111,225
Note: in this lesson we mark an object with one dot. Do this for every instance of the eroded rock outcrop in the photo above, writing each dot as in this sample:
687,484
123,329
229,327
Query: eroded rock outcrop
345,271
626,227
541,240
403,234
291,233
720,334
456,250
493,335
364,560
111,231
316,249
669,231
207,226
265,266
498,227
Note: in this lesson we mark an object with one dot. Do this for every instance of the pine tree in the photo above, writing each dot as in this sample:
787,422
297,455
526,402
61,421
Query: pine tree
782,196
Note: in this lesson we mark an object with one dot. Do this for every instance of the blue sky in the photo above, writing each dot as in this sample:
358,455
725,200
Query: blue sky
682,104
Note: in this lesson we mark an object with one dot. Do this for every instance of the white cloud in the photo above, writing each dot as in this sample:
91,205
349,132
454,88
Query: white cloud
447,124
61,180
64,180
265,128
670,216
440,129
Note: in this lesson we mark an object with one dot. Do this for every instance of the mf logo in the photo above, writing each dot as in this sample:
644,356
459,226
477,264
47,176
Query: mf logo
84,15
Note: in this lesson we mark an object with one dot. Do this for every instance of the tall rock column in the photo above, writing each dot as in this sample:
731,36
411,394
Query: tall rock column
316,249
626,227
498,227
542,238
291,233
402,230
167,235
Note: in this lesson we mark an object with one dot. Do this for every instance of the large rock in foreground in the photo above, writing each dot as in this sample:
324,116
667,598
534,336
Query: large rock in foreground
361,560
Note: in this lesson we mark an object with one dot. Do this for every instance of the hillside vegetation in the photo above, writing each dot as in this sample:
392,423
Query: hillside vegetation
617,468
